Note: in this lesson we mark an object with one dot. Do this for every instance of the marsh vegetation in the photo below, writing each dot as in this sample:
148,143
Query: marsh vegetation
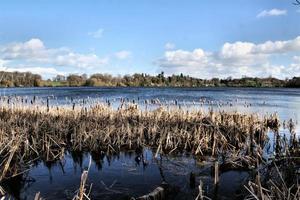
34,130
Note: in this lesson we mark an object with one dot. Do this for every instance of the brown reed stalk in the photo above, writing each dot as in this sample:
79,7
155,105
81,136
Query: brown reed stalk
28,132
82,191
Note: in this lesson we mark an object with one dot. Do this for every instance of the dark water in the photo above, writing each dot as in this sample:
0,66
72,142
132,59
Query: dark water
122,176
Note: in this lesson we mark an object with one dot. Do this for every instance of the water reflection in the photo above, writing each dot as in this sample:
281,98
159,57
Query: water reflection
121,176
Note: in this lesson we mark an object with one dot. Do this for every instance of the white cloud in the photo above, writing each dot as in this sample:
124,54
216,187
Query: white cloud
96,34
169,46
35,52
246,53
80,60
123,54
35,70
181,58
233,59
33,48
272,12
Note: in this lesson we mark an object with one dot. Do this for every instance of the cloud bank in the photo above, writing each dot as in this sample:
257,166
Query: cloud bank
235,59
279,59
34,51
34,56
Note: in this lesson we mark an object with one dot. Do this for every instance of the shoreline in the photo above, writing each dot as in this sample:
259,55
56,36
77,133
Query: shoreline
154,87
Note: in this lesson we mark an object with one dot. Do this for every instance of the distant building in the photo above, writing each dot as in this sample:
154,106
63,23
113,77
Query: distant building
59,78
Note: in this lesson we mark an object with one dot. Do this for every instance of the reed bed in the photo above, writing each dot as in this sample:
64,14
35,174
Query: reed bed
279,178
44,132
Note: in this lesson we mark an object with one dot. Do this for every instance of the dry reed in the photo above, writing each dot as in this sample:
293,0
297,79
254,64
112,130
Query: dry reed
82,192
43,132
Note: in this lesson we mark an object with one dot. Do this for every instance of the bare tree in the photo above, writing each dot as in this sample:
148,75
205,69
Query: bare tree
297,2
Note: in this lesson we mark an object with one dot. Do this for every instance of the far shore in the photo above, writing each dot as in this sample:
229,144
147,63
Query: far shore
21,79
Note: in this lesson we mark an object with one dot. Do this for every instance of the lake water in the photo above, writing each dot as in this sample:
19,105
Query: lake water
123,176
284,101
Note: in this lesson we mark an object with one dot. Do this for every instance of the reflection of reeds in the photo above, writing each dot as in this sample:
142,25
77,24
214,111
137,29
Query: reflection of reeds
38,196
42,132
82,192
278,191
2,193
200,195
157,194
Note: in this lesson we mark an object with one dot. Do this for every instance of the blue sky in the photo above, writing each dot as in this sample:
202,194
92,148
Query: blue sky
124,37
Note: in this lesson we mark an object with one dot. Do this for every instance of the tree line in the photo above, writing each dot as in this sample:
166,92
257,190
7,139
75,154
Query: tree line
18,79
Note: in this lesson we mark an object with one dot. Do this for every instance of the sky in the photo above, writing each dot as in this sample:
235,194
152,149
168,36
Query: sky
201,38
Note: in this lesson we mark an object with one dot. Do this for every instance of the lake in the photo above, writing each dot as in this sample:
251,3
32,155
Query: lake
125,175
284,101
